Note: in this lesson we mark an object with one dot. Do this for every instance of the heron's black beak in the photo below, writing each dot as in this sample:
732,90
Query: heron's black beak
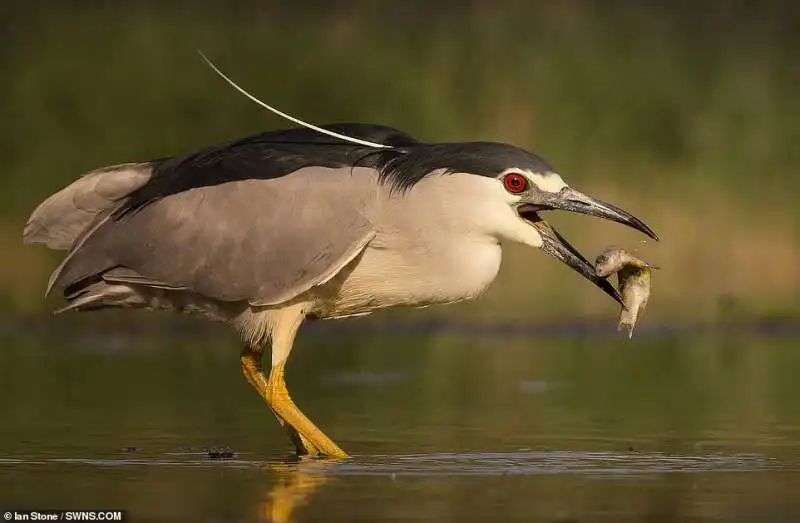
554,244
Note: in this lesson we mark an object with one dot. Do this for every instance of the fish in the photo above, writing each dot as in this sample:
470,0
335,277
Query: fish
633,281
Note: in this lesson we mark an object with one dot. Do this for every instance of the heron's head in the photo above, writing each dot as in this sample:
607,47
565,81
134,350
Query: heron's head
520,186
531,186
532,192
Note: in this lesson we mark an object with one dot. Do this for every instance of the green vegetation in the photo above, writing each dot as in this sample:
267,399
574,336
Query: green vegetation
687,117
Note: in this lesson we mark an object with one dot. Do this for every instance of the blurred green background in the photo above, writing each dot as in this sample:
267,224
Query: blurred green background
688,116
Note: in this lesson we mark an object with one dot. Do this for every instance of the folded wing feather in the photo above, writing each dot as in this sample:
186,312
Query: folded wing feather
260,240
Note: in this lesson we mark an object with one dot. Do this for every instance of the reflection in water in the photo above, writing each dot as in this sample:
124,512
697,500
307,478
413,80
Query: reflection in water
289,490
295,484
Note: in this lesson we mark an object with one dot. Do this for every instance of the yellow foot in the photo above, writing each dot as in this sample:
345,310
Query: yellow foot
308,440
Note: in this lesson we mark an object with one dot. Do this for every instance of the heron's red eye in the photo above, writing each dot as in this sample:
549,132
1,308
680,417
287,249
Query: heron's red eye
515,182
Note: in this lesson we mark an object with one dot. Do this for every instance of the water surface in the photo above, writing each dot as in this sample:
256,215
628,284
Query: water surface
525,424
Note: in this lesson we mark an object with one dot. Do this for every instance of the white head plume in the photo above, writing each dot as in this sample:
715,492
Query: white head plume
289,117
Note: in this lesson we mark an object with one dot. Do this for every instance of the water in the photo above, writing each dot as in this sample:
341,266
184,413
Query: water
543,424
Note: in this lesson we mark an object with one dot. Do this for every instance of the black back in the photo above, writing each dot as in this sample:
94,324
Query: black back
277,153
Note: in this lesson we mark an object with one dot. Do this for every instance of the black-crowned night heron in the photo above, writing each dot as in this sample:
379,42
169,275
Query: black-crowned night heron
269,230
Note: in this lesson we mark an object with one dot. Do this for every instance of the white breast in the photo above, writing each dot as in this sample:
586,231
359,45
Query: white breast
434,244
386,278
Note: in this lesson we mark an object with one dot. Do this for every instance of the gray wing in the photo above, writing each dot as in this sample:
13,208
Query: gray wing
264,241
61,219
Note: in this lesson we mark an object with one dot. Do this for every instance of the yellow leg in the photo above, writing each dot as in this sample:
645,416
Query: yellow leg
307,438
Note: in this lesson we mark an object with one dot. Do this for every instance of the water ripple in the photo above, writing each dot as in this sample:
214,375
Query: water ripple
532,463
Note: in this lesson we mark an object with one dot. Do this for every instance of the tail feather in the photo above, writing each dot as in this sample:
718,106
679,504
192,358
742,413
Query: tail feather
98,293
101,295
